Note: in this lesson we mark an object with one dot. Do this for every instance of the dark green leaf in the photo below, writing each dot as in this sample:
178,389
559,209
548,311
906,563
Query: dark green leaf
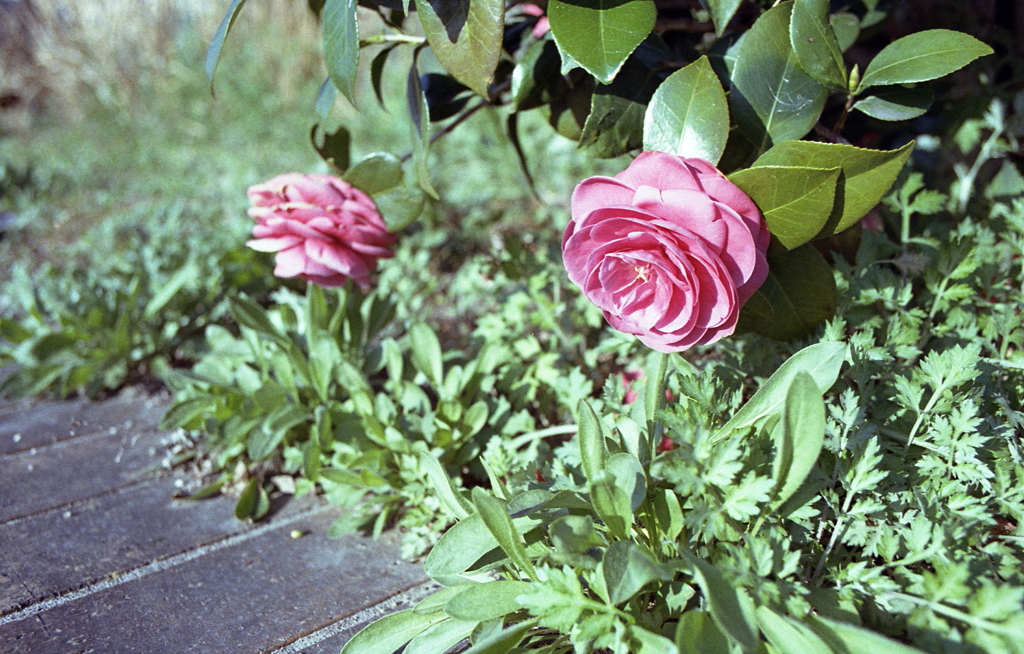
377,72
697,633
217,44
426,353
600,34
400,207
922,56
375,173
846,28
440,637
822,362
789,635
814,42
502,641
253,503
391,632
615,124
688,115
486,601
335,147
617,492
722,12
796,202
845,637
466,37
206,491
13,332
865,179
249,314
798,436
627,568
492,511
773,100
897,102
800,292
593,450
729,609
419,114
341,44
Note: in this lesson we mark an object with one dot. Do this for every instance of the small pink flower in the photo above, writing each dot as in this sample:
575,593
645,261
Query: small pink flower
628,377
668,249
323,229
542,27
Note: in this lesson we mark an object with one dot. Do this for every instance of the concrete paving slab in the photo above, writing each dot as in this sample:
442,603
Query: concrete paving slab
54,552
53,475
32,423
259,594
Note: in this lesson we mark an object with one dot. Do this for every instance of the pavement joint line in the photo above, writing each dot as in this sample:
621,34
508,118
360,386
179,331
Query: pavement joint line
378,610
142,478
78,439
159,565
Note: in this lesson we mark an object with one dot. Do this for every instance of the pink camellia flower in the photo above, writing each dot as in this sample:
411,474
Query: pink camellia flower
323,229
669,250
542,27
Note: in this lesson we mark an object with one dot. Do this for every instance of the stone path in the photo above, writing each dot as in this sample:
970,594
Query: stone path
96,556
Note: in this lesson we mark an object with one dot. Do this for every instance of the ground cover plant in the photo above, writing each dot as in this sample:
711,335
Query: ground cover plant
759,391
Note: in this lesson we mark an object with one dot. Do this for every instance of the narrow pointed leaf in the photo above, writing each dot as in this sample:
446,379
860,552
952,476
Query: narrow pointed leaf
341,44
391,632
922,56
722,12
492,511
724,603
773,99
897,102
796,202
593,450
789,635
798,437
689,115
217,44
822,362
465,36
600,34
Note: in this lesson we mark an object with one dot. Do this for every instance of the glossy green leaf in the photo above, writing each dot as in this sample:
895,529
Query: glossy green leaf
689,115
600,34
789,635
865,179
729,611
798,296
897,102
217,43
722,12
773,100
440,637
465,36
796,202
627,568
798,436
593,449
846,27
814,42
391,632
845,637
922,56
821,361
697,633
494,515
486,601
253,503
340,31
375,173
400,207
615,124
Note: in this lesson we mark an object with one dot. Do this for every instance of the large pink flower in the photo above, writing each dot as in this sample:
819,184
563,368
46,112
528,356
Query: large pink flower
669,250
323,229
